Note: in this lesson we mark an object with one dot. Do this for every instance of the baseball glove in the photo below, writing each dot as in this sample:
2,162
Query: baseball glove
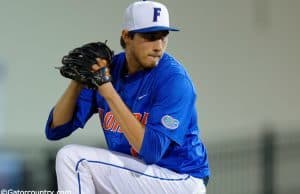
77,65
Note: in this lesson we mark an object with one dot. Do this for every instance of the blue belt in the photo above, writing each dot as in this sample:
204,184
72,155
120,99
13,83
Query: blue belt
205,180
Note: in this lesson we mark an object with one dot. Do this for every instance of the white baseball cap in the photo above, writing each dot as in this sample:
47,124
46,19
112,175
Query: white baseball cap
147,16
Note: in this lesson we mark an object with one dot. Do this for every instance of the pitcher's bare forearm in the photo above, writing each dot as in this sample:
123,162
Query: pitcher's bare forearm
132,128
64,108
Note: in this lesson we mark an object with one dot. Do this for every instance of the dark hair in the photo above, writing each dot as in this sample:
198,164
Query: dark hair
122,42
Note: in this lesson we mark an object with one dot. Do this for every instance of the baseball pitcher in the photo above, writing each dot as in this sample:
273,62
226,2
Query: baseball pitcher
145,100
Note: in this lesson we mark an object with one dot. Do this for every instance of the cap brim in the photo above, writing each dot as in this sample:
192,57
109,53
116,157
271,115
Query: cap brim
154,29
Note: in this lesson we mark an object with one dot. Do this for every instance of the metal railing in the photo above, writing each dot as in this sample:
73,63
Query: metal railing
265,165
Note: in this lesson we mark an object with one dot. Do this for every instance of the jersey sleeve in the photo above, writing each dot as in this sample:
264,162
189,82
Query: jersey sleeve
85,107
172,105
154,146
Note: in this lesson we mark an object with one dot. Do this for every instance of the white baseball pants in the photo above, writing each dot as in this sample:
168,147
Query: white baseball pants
89,170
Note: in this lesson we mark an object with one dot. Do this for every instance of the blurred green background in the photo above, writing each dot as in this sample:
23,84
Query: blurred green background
243,56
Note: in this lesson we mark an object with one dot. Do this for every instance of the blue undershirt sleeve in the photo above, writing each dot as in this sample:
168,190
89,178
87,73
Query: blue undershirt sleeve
154,146
57,132
85,108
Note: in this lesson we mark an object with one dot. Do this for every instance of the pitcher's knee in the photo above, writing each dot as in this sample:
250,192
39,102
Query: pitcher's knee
67,155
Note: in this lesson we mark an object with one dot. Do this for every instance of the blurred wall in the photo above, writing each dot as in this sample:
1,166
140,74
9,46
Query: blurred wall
243,56
2,100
